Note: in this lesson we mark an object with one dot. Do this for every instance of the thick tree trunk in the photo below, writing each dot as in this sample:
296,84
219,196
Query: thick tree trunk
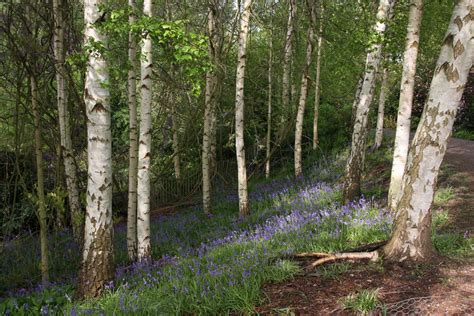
317,83
402,136
288,50
133,137
269,111
381,110
144,147
304,94
239,111
411,237
97,267
77,215
41,213
355,163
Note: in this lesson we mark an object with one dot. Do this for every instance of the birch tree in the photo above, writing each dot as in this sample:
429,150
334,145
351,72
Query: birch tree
355,163
381,109
402,135
317,82
97,266
144,146
239,110
304,92
133,137
287,53
270,96
411,237
44,264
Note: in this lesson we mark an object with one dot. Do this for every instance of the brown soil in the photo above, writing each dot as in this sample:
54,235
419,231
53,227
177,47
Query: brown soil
443,288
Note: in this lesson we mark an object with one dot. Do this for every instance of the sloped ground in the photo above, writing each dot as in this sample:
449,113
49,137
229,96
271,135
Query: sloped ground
444,288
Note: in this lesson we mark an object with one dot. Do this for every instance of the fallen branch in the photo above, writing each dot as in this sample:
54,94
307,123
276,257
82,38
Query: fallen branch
372,256
309,255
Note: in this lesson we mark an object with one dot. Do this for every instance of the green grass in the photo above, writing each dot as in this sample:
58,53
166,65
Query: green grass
362,302
443,195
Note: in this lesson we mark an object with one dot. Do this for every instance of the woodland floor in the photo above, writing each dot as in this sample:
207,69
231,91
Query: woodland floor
444,288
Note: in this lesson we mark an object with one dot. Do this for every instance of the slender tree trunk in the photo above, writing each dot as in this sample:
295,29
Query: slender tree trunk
288,50
97,266
239,111
44,265
411,237
317,83
304,94
355,163
402,136
176,147
77,215
144,147
133,136
356,102
269,111
381,110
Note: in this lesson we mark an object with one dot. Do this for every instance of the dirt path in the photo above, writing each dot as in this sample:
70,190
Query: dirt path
443,289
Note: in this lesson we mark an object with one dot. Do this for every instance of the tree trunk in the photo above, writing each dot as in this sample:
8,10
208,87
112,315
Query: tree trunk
304,93
239,111
355,163
133,137
176,148
411,237
288,50
402,136
44,265
381,110
317,92
97,267
77,215
144,147
270,96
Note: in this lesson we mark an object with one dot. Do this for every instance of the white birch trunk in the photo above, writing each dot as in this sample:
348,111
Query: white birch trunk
44,265
133,138
402,135
303,95
239,110
269,110
381,109
77,215
144,147
97,266
411,237
317,83
288,50
355,163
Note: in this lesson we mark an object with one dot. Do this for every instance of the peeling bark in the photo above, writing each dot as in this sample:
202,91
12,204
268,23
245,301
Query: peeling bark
402,136
411,237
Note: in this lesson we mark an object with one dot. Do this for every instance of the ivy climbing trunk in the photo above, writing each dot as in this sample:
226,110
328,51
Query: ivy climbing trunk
304,92
402,135
411,237
41,212
133,138
381,109
144,146
355,163
317,82
97,266
239,110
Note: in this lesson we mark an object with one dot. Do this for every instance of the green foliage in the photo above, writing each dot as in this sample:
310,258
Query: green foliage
454,244
363,301
464,134
443,195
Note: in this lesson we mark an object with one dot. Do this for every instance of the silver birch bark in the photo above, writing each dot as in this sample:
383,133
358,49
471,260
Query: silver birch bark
41,213
176,149
269,110
288,50
411,237
317,83
97,267
77,215
133,138
381,109
402,135
355,163
304,94
144,146
239,110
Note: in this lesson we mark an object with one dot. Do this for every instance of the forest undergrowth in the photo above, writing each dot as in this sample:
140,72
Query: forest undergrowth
217,264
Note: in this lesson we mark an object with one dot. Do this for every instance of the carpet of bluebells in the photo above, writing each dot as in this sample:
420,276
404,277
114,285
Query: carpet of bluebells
203,265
